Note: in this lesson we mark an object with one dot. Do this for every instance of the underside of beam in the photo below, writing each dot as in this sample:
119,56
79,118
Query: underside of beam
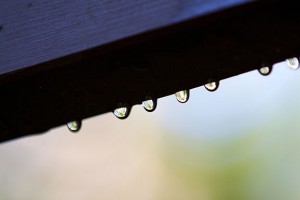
155,63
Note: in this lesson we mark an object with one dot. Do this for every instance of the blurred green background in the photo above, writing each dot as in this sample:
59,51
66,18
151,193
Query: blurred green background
240,142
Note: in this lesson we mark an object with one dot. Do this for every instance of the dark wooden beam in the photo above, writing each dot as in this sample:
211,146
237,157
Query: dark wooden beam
40,90
33,32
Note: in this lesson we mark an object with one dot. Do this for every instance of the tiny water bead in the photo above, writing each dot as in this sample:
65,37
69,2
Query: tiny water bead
212,86
150,105
122,112
292,63
74,126
182,96
265,71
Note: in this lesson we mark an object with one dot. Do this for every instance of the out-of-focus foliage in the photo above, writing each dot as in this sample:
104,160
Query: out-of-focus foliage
241,142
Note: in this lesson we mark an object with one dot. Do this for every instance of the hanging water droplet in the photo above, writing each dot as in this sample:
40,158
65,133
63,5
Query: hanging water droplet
292,63
212,86
150,105
182,96
74,126
122,112
265,71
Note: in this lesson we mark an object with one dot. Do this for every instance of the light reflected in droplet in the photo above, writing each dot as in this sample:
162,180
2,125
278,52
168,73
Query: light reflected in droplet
212,86
150,105
182,96
122,112
292,63
74,126
265,71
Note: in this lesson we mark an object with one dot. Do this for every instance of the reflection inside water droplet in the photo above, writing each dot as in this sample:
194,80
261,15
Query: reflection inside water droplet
122,112
265,70
182,96
292,63
212,86
74,126
150,105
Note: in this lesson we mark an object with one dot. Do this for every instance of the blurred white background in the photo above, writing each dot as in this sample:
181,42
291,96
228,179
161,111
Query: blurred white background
240,142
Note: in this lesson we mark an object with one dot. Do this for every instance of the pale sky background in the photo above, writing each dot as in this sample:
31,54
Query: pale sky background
239,142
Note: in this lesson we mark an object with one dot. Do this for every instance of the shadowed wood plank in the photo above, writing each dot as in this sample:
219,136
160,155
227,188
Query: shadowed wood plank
220,44
38,31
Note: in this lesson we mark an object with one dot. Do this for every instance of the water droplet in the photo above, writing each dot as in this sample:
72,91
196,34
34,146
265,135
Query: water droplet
150,105
292,63
74,126
265,71
182,96
212,86
122,112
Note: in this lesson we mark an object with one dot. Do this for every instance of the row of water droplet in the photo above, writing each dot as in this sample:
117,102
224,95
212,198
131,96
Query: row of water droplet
150,104
292,63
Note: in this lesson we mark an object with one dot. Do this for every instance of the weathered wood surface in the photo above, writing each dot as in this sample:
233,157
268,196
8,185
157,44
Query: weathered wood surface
217,43
33,32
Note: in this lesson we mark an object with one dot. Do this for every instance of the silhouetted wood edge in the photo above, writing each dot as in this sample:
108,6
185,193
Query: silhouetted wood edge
156,63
